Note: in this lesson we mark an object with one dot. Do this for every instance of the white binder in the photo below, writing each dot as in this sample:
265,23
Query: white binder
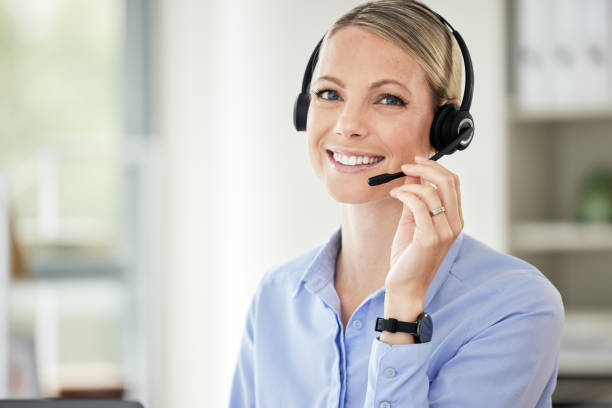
594,65
532,55
568,31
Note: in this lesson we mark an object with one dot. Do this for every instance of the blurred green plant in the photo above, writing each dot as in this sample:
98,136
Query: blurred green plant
594,202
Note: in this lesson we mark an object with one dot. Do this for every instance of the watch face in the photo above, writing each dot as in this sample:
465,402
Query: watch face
425,328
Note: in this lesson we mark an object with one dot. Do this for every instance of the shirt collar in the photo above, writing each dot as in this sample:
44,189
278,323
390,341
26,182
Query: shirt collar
321,269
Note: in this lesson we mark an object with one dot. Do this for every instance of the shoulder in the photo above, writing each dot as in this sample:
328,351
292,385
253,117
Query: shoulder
286,275
505,282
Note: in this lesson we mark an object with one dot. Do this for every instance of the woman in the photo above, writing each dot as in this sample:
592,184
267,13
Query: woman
310,340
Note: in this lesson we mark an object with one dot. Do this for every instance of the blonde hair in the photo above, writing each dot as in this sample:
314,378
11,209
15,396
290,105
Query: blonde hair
417,30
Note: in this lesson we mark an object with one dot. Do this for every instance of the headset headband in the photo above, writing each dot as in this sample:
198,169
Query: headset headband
466,101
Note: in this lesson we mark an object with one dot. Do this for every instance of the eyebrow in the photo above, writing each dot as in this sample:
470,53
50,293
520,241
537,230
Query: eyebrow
372,85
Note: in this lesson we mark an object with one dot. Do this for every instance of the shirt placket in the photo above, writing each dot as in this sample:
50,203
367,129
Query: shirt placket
325,291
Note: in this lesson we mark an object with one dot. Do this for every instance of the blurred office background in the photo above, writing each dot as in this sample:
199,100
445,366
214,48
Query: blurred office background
150,174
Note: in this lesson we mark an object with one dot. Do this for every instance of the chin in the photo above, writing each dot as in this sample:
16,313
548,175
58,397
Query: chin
346,195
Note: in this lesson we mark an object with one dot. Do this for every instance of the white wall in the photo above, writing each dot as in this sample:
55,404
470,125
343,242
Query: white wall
240,195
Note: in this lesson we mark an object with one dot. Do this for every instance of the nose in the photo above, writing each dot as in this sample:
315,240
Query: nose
351,122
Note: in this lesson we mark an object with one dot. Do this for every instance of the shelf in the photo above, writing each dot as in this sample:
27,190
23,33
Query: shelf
540,236
561,115
586,343
69,231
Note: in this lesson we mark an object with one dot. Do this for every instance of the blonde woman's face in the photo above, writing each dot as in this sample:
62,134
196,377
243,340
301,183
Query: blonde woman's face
369,97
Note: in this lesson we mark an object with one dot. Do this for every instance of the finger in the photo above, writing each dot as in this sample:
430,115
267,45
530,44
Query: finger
425,193
423,181
457,181
425,232
447,184
431,198
459,227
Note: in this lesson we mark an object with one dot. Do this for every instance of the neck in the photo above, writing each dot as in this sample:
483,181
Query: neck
367,235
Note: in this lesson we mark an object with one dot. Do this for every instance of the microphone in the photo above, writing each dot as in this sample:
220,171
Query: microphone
465,136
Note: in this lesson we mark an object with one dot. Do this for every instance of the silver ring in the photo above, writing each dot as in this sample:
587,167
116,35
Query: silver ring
437,211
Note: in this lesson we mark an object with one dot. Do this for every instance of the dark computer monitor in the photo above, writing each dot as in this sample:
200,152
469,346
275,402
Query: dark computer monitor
67,403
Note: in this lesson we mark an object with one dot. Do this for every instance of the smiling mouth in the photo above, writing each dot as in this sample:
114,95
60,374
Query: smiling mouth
353,160
353,164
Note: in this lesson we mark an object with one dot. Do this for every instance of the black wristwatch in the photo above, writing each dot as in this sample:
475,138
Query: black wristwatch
422,329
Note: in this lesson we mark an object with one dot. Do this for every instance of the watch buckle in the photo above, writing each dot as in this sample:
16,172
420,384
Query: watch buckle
393,327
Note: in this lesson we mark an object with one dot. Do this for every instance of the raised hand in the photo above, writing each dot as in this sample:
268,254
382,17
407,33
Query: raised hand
422,240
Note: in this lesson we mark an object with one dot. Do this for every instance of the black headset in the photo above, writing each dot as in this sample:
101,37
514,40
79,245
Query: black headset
452,127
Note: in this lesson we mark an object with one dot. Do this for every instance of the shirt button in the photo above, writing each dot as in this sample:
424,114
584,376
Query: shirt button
384,404
389,372
357,324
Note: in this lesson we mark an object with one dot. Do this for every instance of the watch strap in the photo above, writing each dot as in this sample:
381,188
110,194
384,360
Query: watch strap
393,325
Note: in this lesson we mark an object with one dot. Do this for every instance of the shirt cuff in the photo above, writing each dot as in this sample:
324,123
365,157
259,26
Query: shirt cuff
397,375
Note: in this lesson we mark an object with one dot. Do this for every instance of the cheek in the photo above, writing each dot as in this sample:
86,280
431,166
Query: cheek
317,119
407,141
314,148
316,127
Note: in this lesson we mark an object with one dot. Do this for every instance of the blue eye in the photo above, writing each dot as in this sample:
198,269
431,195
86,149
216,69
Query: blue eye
331,95
395,101
327,92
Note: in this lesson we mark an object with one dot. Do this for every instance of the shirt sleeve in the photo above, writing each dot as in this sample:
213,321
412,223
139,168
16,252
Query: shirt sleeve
510,363
243,391
397,375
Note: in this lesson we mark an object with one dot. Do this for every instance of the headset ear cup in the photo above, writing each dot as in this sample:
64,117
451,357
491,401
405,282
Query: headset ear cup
300,112
438,136
462,121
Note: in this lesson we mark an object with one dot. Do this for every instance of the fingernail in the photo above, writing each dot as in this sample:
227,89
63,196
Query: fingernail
420,158
406,166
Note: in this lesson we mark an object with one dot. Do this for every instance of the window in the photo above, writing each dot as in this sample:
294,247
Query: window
74,150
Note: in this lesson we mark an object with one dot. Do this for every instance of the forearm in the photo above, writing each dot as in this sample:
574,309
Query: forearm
403,306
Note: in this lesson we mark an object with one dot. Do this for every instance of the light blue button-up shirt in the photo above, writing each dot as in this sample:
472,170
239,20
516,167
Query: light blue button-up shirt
497,327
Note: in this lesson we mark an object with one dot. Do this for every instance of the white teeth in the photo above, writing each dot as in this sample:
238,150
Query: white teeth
356,160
